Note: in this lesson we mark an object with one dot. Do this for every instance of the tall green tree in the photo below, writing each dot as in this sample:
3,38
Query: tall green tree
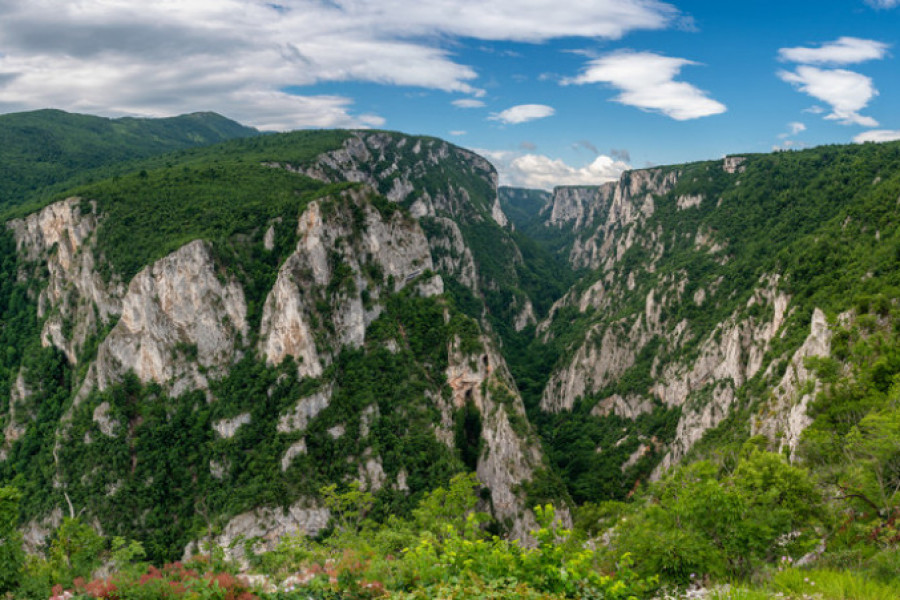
11,554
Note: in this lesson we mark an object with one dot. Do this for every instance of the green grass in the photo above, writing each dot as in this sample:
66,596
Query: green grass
833,585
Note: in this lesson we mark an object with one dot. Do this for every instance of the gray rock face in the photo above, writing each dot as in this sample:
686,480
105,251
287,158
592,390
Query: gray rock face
609,210
373,158
330,247
734,164
226,428
784,416
305,411
177,316
76,300
266,526
511,455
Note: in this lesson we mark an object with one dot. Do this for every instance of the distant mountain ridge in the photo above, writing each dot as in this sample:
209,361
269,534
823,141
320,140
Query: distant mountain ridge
41,148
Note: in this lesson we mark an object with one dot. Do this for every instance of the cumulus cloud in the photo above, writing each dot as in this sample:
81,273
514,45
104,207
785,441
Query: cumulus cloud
877,135
845,91
468,103
542,172
843,51
523,113
647,81
240,56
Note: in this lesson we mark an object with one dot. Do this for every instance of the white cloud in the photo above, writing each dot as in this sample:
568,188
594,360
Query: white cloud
793,129
843,51
877,135
796,128
884,3
239,56
467,103
458,132
523,113
846,92
542,172
647,81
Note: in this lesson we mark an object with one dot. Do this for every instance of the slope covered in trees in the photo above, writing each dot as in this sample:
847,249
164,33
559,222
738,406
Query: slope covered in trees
697,364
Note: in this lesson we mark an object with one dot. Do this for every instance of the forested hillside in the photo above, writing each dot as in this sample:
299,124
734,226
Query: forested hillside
348,361
41,148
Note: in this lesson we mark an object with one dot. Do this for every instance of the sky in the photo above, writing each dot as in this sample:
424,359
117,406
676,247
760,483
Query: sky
552,92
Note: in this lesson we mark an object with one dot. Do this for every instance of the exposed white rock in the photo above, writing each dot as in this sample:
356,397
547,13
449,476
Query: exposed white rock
269,238
371,475
75,300
784,415
226,428
305,411
629,407
637,455
37,532
396,245
367,419
525,317
219,468
101,418
510,458
497,213
452,254
337,431
689,201
265,527
728,358
613,208
174,307
295,450
734,164
433,286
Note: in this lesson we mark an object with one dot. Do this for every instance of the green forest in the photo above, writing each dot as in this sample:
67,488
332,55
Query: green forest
739,516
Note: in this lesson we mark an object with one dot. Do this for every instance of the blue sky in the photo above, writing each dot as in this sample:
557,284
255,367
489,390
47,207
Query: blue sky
553,92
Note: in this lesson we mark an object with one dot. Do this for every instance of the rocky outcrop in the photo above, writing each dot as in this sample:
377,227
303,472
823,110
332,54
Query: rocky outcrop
734,164
395,166
611,211
180,324
783,417
305,411
511,453
336,258
76,300
578,207
629,407
729,356
263,528
226,428
451,253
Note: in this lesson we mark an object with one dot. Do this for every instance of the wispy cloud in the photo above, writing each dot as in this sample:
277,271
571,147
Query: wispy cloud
793,129
877,135
843,51
523,113
647,81
240,56
846,92
885,4
467,103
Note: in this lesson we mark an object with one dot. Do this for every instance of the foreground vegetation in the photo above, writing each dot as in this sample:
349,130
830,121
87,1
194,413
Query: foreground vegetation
741,530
